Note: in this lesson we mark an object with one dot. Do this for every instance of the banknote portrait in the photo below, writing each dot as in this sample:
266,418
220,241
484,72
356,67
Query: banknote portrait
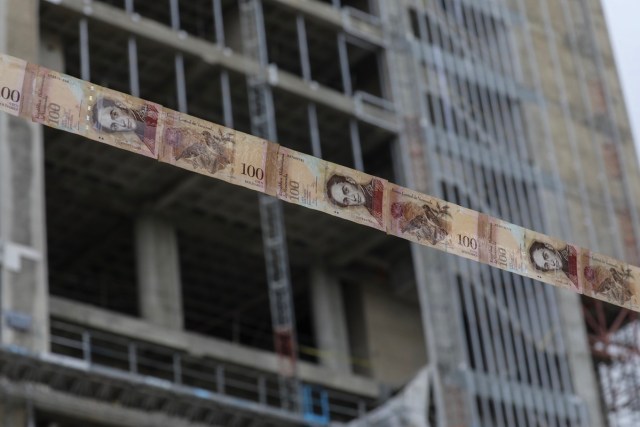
546,258
346,193
429,221
608,279
117,117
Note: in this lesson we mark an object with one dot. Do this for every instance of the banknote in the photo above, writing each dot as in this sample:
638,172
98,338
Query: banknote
609,279
197,145
300,178
16,80
355,196
254,163
117,119
59,101
552,261
501,244
101,114
419,218
217,151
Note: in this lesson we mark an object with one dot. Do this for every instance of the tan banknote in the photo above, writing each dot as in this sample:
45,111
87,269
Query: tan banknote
552,261
219,152
101,114
254,164
501,244
60,101
197,145
300,178
355,196
420,218
16,80
609,279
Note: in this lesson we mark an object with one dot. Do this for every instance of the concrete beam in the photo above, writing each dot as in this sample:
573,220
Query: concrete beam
202,346
158,265
80,409
341,20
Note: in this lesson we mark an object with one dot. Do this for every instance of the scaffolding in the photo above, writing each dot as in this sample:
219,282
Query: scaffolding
271,216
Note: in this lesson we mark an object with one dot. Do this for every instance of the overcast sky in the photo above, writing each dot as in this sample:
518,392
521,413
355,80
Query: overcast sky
623,18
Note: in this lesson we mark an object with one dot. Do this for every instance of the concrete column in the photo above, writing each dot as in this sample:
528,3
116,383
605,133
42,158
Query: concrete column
23,285
158,265
14,413
329,320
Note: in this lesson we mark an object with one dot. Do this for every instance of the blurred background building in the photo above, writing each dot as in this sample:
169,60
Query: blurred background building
136,294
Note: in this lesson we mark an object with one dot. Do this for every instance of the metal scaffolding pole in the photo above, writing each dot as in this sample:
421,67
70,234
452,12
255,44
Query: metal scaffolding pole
271,215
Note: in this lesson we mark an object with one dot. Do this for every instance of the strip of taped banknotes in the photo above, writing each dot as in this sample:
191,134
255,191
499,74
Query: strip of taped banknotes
101,114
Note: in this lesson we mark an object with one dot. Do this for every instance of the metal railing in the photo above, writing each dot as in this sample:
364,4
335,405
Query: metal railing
140,358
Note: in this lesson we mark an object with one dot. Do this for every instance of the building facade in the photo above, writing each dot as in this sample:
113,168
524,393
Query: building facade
136,294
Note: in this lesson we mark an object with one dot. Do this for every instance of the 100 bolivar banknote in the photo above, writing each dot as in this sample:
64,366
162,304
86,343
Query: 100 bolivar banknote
146,128
98,113
219,152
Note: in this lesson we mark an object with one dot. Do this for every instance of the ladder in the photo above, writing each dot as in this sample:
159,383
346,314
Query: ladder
262,117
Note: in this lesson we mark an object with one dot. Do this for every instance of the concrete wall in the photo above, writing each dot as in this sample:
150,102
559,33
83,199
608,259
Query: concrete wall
395,346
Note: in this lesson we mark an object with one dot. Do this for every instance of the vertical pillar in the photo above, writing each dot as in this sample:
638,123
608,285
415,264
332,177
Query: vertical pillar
329,320
158,265
24,291
14,413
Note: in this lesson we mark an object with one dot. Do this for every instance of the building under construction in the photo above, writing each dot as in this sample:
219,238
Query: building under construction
134,293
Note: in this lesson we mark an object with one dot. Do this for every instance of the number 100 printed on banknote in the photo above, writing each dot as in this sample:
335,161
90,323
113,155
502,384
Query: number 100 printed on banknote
300,178
16,79
60,101
501,244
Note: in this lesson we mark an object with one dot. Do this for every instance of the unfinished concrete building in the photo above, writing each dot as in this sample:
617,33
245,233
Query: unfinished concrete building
137,294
